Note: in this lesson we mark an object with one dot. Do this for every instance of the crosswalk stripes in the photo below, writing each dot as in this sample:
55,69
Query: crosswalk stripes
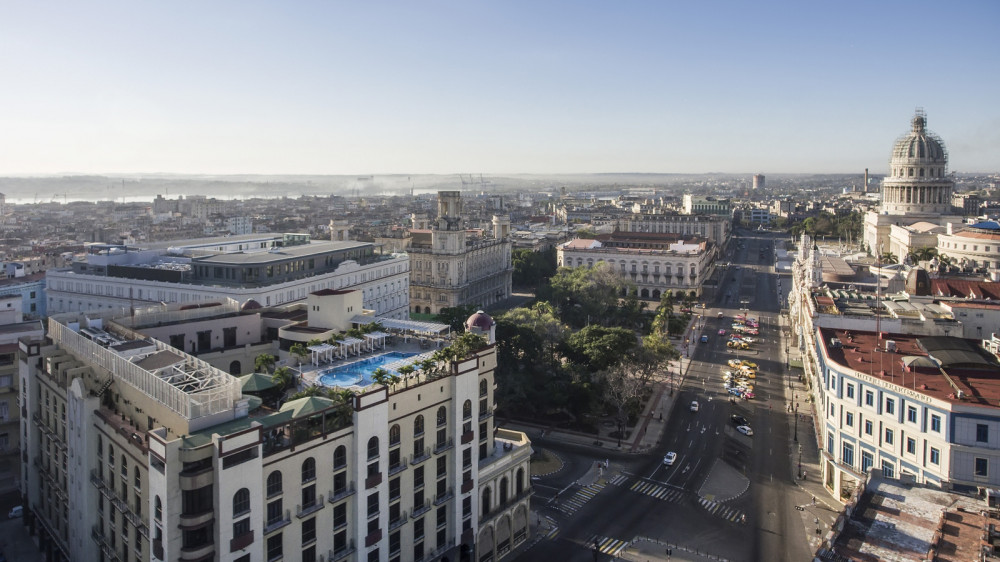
582,496
552,533
618,479
607,545
728,513
659,492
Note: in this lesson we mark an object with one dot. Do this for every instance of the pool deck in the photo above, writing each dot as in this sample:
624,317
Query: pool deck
309,373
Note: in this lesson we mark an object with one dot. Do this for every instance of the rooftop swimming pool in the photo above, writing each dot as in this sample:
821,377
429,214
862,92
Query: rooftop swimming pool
360,372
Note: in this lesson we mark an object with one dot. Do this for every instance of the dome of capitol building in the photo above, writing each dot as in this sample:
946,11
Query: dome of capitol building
917,182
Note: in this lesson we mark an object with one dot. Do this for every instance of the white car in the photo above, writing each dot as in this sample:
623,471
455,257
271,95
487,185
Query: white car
669,458
694,406
744,429
16,512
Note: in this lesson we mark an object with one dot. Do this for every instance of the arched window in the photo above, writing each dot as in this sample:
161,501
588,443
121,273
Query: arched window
111,459
124,467
418,426
467,410
503,490
235,368
482,387
394,435
136,478
274,483
100,447
486,502
373,448
442,416
520,481
241,502
157,508
340,457
308,469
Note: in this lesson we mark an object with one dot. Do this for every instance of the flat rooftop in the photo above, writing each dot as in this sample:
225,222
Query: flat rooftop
896,521
278,254
975,373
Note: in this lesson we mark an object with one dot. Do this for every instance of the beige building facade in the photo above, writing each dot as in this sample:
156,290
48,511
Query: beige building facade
140,451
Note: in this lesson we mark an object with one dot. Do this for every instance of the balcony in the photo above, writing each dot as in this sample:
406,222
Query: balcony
240,542
337,495
450,493
306,510
341,554
397,468
432,555
421,509
505,506
485,414
467,437
109,493
373,480
197,552
398,522
468,485
109,553
373,538
417,459
277,523
444,446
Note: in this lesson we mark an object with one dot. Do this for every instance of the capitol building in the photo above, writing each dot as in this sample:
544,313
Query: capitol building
915,196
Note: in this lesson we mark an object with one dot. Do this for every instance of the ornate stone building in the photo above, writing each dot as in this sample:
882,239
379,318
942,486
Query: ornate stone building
452,265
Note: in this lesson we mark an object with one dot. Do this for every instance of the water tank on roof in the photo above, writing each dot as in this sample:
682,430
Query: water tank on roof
890,345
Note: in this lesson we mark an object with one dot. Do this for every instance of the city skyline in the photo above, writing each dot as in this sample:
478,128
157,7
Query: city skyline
517,88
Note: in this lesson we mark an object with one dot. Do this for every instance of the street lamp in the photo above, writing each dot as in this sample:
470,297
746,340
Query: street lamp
797,430
800,460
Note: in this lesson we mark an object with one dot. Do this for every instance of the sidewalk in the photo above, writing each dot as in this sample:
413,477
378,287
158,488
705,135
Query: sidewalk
805,457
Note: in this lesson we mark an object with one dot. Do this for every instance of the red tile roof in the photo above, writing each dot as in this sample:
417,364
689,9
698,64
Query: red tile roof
965,289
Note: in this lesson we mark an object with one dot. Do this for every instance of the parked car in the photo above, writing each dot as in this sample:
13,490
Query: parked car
694,405
16,511
669,458
745,430
738,420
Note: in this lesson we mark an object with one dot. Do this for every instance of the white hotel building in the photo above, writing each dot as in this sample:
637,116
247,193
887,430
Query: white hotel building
270,270
139,451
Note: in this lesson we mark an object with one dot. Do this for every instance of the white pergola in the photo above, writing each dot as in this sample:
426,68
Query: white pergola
374,337
406,328
322,352
347,345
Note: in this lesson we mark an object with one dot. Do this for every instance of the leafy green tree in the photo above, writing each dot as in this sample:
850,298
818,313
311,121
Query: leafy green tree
598,348
532,268
283,377
455,316
264,363
299,352
584,294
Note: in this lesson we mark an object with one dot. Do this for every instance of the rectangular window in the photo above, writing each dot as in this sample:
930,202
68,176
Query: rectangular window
869,398
833,382
274,512
847,454
829,444
866,461
850,391
888,469
849,419
274,547
418,477
982,467
888,437
911,414
373,504
308,530
935,423
982,433
339,515
241,527
890,406
935,456
911,445
868,427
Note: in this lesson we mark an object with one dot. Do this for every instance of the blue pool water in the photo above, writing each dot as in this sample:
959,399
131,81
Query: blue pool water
360,372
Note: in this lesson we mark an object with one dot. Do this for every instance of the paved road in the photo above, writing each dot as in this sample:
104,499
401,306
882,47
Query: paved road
727,496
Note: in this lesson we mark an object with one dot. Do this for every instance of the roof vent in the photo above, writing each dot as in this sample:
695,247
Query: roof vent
835,343
890,345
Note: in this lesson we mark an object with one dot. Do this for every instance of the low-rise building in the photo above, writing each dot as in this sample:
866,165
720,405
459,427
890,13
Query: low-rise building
654,262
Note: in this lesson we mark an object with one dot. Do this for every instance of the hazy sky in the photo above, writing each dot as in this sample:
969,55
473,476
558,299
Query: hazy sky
492,87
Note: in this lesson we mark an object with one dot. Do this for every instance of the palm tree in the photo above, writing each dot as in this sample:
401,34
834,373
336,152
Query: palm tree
283,377
307,392
381,376
264,363
299,351
923,254
889,258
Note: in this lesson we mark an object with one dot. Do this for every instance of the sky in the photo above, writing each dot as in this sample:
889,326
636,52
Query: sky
502,87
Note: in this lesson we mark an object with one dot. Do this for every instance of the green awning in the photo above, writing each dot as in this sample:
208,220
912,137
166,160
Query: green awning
256,382
307,406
